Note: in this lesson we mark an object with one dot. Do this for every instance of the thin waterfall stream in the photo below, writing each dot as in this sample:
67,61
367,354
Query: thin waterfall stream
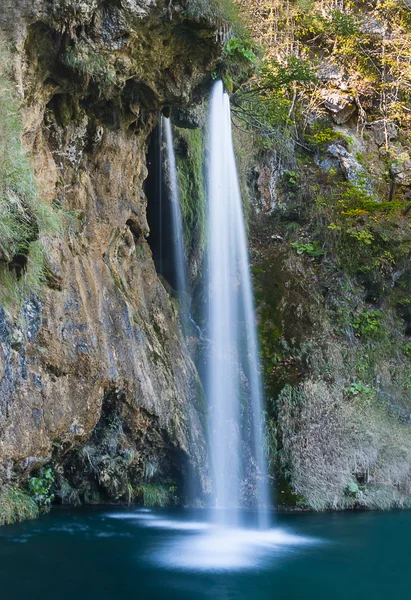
180,263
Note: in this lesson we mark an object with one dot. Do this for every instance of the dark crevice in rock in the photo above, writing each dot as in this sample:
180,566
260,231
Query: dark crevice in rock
126,451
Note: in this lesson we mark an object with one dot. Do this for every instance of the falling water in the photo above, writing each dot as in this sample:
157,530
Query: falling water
177,224
232,331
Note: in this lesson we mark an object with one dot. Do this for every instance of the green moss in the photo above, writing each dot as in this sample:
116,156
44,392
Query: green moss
16,505
90,64
321,135
191,182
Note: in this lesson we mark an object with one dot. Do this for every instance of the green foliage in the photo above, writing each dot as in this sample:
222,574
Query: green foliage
290,177
311,249
267,101
320,135
360,391
343,24
240,49
40,489
369,323
275,75
25,219
16,505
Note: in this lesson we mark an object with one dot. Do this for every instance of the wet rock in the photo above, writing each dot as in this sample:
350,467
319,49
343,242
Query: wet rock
186,119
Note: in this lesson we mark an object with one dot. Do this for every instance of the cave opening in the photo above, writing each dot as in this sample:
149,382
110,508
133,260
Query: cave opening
159,209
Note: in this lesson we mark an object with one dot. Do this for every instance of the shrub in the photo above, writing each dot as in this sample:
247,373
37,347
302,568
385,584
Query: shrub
369,323
16,505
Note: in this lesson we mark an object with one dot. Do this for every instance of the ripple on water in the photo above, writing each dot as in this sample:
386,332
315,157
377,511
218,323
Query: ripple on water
151,520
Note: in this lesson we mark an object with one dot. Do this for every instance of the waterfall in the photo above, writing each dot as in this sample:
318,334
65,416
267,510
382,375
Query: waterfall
181,280
236,408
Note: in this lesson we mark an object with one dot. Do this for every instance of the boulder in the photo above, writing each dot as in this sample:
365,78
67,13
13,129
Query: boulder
340,104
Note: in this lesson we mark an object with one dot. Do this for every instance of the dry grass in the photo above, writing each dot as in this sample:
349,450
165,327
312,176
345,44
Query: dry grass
331,441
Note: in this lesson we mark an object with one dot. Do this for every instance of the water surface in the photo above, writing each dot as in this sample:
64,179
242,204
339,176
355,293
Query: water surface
85,554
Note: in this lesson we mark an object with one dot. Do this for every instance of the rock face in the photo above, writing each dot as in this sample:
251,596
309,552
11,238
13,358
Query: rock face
353,171
96,375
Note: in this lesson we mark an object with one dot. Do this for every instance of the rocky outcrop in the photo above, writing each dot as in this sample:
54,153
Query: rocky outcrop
104,345
353,171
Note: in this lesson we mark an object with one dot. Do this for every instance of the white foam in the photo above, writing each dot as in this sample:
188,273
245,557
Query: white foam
227,549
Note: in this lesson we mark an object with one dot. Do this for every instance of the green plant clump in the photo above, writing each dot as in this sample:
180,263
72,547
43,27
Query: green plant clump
16,505
309,248
369,323
40,489
156,495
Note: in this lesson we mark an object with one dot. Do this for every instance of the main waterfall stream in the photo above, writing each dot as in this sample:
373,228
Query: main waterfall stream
232,332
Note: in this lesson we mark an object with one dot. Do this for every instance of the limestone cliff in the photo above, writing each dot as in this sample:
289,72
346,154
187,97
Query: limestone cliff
95,375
